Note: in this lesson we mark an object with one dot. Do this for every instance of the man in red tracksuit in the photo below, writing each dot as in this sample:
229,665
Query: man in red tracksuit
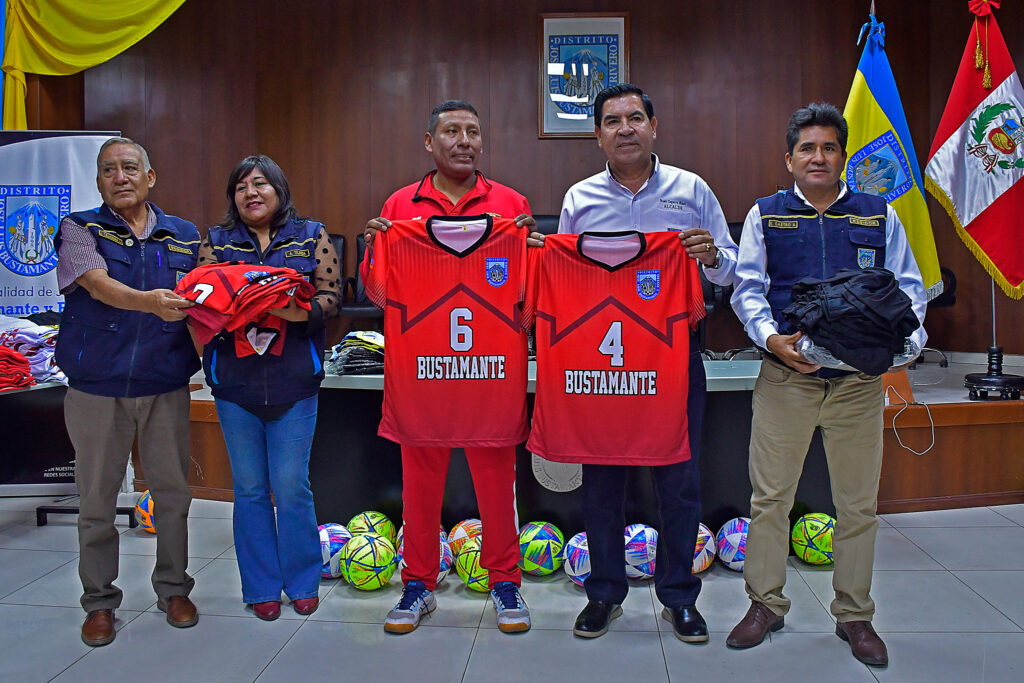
456,188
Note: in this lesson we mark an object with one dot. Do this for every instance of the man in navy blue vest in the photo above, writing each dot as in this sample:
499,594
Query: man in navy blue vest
128,357
814,229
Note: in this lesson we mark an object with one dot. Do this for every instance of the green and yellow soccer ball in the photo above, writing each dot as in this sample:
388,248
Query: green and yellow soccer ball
540,548
467,564
373,522
812,538
368,561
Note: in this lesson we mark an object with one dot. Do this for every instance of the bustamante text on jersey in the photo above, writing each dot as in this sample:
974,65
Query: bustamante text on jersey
624,382
460,367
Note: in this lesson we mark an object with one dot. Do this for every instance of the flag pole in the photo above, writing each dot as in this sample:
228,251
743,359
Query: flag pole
981,384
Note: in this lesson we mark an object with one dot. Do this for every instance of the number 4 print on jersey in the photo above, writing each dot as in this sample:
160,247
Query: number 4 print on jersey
614,313
455,351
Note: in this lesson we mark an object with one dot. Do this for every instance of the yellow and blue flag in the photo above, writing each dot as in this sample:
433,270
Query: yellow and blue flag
881,159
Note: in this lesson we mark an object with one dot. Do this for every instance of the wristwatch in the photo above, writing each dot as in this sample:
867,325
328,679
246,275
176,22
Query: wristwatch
718,260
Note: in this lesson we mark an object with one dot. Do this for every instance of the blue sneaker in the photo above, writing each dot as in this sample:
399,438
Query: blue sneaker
513,614
416,602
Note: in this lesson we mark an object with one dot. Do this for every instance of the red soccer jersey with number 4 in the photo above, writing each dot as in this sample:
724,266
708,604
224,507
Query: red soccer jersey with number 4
455,351
614,313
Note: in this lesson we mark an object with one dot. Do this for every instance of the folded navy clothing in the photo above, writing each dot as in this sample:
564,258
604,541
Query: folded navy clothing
861,316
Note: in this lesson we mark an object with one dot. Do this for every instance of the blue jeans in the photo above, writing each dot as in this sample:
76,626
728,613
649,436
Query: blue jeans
282,554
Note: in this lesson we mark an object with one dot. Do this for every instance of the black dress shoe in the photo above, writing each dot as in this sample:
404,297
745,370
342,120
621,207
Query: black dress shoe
687,623
594,619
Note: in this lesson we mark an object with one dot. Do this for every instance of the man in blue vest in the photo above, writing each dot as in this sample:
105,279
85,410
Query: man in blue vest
814,229
128,357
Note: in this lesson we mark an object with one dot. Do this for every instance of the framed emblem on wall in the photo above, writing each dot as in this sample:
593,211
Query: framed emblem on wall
580,55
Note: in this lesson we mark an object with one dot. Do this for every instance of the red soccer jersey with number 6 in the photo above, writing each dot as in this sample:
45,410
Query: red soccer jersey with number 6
614,313
455,350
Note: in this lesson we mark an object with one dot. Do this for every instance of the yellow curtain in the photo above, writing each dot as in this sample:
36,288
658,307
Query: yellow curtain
61,37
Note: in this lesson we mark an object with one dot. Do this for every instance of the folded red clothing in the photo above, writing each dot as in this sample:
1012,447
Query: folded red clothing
238,297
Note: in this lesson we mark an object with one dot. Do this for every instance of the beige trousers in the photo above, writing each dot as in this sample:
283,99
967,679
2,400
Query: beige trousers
787,408
102,430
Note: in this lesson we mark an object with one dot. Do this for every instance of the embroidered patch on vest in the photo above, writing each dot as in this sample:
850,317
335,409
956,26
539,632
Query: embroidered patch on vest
866,257
180,250
784,225
112,236
496,271
296,252
648,283
868,222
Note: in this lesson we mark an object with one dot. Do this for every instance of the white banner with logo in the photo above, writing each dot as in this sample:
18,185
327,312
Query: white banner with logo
44,176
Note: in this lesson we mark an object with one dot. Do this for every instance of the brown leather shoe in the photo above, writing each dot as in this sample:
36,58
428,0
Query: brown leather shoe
98,628
306,606
754,626
867,647
181,612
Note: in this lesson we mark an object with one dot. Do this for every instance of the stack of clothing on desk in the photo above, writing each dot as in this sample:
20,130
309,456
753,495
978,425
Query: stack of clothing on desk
35,343
15,371
359,353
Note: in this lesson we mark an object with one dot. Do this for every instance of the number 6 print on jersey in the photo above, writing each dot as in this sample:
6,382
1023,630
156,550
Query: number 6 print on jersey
614,312
455,348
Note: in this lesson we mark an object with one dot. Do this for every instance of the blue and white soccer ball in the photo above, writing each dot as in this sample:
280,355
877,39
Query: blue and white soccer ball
577,558
333,538
447,557
641,549
732,543
705,550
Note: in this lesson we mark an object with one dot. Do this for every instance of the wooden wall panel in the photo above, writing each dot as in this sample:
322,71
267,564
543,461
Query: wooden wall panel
338,92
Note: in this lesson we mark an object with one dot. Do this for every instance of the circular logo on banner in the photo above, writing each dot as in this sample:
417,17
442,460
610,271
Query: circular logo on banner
560,477
29,218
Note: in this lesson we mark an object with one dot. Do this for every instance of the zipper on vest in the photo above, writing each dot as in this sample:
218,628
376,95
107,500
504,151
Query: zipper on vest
824,249
138,327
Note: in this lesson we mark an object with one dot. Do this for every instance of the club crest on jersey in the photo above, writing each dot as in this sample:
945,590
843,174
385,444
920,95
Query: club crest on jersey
496,271
252,275
648,283
866,258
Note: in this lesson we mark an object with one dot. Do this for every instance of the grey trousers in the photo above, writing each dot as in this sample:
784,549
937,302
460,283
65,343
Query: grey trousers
787,408
102,430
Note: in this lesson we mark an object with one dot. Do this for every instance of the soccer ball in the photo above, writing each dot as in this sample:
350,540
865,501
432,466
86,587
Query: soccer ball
732,543
462,532
447,558
704,553
144,512
540,548
401,533
577,558
641,548
373,522
812,538
467,564
368,561
333,538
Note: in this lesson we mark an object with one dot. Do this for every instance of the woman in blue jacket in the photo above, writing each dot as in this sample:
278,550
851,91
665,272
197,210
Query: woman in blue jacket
267,402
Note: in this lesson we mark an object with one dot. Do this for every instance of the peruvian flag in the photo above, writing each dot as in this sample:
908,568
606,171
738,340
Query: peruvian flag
976,161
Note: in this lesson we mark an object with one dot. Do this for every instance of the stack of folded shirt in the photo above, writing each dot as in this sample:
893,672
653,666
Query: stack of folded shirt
359,353
14,370
36,343
238,297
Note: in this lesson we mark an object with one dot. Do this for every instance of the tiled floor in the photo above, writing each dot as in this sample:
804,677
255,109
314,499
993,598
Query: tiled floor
949,587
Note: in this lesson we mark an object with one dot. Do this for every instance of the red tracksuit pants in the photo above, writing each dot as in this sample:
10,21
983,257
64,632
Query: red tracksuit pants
424,470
